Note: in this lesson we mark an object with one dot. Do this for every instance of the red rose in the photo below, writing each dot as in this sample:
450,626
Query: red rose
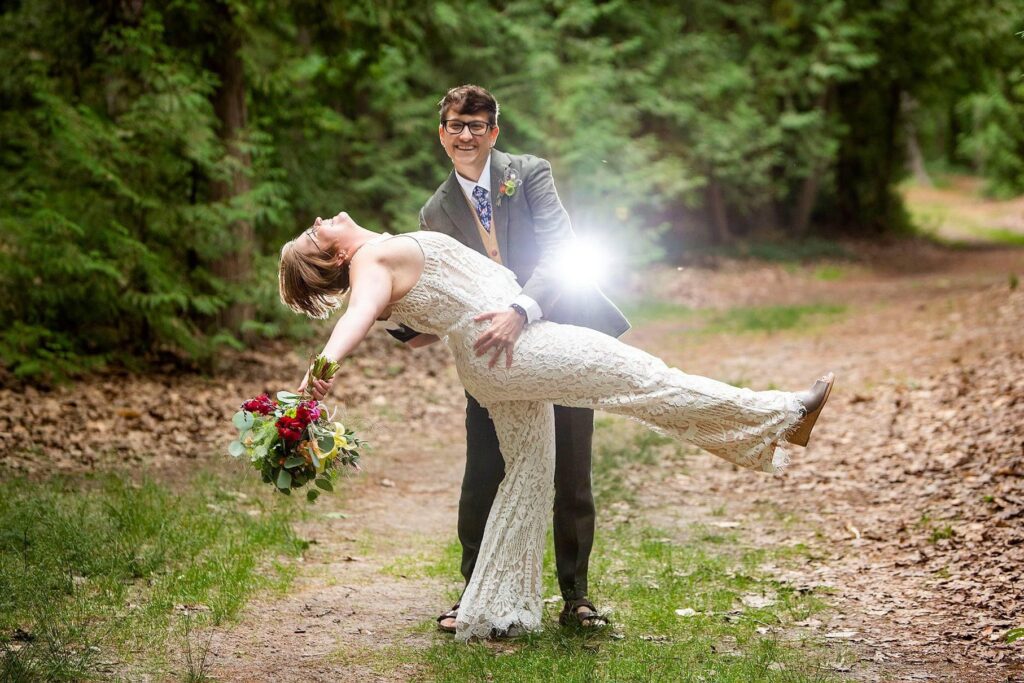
289,428
262,404
308,412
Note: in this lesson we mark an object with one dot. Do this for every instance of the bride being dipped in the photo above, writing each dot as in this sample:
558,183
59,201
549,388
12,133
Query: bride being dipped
432,283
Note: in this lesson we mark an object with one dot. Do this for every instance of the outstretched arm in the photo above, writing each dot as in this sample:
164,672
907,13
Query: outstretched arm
371,293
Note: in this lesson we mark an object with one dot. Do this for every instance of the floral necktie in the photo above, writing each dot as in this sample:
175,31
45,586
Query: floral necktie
483,207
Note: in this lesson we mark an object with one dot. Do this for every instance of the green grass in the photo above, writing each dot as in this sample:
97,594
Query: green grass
643,575
771,318
734,320
829,273
431,564
928,221
1002,236
621,446
642,311
781,251
101,574
789,251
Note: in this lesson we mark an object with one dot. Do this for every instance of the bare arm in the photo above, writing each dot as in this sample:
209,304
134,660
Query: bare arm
371,294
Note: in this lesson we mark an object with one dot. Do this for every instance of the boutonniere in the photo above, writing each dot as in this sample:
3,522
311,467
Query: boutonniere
510,183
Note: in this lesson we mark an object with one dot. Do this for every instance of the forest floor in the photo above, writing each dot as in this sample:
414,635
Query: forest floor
909,502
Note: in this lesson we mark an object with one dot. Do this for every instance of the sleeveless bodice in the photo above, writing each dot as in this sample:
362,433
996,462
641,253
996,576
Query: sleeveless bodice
457,284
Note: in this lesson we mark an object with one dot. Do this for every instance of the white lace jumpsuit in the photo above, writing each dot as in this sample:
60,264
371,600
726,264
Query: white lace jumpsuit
570,366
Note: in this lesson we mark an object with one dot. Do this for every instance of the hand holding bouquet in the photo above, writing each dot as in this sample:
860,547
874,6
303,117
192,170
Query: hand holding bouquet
292,440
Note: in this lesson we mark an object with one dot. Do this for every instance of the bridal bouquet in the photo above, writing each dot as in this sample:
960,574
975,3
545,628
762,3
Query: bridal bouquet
292,440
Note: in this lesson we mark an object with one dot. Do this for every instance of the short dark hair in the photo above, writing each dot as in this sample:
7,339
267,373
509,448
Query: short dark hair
469,99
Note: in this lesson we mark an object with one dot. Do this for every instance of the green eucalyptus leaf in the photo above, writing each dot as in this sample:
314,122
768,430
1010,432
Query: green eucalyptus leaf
325,443
324,484
312,494
284,480
236,449
295,461
242,420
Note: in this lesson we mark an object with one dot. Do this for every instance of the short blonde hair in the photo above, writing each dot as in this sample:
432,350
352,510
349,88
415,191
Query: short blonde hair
311,283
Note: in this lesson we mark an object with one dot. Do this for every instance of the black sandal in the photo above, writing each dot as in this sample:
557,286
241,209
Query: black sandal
453,613
571,616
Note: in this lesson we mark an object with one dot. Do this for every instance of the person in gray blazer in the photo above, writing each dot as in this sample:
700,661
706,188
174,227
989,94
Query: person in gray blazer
505,206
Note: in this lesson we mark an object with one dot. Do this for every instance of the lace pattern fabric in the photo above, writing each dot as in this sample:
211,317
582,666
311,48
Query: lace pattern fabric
505,589
571,366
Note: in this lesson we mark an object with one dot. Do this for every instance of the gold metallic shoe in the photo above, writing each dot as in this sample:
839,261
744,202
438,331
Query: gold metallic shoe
819,395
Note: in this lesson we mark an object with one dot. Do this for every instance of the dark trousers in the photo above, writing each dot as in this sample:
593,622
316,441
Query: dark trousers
574,499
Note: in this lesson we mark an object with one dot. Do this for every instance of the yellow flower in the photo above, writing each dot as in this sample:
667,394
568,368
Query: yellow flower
340,442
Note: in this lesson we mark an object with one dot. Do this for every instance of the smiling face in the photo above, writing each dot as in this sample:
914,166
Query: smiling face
313,273
328,236
468,152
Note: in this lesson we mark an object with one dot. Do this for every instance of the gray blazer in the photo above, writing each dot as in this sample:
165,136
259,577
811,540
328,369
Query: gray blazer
531,227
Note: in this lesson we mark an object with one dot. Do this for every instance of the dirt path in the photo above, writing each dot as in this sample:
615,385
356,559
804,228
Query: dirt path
911,495
351,605
911,498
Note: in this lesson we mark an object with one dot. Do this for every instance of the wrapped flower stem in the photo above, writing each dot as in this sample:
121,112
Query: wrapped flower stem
321,368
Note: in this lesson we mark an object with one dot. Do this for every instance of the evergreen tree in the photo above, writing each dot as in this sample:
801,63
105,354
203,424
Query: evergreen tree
157,154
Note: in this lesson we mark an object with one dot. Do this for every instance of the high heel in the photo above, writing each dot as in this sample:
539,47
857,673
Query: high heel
819,395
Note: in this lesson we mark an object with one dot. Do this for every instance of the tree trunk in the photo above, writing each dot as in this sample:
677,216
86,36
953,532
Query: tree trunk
234,267
764,219
952,135
914,155
808,194
716,208
892,161
805,200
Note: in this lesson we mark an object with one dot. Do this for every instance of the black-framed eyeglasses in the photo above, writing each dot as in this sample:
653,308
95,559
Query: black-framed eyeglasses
455,127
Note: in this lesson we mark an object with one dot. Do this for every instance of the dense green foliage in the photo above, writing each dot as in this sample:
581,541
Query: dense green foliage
156,154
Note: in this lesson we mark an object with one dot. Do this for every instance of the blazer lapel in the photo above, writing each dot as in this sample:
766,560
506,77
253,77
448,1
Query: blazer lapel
455,205
499,163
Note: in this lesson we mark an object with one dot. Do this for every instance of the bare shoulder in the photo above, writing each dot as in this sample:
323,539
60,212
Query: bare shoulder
389,253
